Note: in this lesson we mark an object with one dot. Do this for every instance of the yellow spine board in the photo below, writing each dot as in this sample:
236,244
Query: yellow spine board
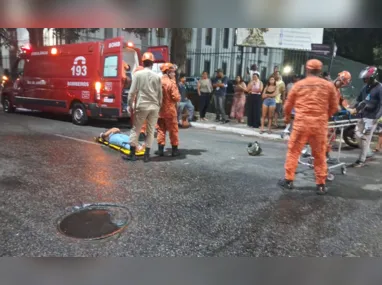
121,149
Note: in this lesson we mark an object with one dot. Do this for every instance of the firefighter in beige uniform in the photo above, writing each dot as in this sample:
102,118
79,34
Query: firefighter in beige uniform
147,88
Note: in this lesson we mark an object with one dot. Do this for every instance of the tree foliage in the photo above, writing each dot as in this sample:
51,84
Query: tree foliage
72,35
5,37
36,35
179,39
139,32
356,44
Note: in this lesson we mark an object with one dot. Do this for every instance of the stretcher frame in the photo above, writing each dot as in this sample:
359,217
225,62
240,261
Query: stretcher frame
341,124
118,148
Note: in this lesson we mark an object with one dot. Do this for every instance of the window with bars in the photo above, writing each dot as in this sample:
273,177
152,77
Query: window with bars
263,74
208,36
238,69
254,50
207,66
226,38
265,51
224,67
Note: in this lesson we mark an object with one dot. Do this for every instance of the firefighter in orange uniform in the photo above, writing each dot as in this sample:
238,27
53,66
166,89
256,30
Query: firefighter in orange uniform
315,101
343,79
168,113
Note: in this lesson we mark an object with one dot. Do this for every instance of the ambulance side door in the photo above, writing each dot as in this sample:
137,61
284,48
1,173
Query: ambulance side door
111,95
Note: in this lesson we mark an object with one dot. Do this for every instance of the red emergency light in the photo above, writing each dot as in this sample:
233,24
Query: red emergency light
130,44
53,51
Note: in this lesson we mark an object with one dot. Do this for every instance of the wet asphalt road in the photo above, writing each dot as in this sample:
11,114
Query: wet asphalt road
214,200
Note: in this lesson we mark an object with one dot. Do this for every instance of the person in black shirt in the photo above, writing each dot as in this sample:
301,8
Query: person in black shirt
220,83
369,108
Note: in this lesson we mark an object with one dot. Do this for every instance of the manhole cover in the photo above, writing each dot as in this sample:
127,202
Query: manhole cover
97,222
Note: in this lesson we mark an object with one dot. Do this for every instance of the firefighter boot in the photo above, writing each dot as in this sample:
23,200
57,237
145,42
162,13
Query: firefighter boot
160,150
146,157
321,189
285,184
175,151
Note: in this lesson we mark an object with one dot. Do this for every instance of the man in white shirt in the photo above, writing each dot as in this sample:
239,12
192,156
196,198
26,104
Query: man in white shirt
146,91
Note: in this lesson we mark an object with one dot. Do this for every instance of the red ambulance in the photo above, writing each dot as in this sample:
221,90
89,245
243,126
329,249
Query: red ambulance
85,80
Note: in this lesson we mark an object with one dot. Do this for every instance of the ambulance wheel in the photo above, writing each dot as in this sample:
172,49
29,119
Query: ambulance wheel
7,105
79,116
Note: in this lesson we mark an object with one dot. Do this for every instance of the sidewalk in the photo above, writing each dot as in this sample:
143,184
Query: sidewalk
236,128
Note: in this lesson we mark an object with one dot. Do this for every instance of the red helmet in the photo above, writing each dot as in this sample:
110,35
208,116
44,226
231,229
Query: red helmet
370,72
148,56
344,77
167,66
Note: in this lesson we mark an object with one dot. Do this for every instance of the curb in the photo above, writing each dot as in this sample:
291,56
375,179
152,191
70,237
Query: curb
234,130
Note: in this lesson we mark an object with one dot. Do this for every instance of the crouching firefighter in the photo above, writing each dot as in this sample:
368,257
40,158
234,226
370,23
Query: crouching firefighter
343,80
146,89
315,101
168,115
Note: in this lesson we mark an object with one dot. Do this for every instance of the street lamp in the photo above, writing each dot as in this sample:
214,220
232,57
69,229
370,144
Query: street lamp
287,69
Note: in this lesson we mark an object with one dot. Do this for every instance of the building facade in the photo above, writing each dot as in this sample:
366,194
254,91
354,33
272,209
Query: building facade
208,50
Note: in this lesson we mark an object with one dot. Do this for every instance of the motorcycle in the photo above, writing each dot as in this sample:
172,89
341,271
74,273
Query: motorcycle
348,135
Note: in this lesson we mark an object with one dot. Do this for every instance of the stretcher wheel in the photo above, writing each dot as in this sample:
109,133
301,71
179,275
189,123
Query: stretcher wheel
343,170
330,177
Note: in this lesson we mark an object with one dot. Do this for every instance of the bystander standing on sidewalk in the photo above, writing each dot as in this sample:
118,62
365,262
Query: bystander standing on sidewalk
238,104
220,84
269,104
280,97
204,91
254,101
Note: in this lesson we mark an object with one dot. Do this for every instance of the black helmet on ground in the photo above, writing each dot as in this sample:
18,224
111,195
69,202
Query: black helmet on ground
254,149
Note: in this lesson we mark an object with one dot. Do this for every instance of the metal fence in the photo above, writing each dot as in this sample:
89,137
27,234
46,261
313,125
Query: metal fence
236,61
